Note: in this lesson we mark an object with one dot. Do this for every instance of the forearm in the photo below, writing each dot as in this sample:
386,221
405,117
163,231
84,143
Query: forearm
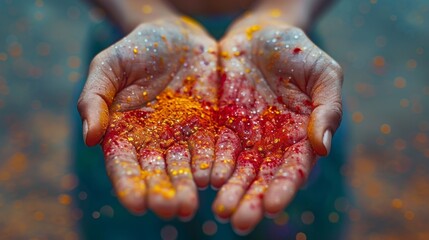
298,13
130,13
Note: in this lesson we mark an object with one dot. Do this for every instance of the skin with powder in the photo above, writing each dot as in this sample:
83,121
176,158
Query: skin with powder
175,110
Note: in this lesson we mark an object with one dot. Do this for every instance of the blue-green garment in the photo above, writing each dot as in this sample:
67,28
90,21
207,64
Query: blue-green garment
316,210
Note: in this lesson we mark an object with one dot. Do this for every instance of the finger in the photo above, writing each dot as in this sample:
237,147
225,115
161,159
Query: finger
201,145
227,148
125,173
179,169
251,209
327,113
230,194
297,163
161,193
95,100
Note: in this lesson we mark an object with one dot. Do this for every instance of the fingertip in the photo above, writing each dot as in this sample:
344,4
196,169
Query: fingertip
187,210
188,203
164,207
324,121
227,200
186,218
94,135
95,114
247,216
217,180
321,141
202,179
220,219
279,194
316,138
318,146
188,206
240,232
270,215
134,205
100,128
327,138
187,214
221,211
132,196
84,130
162,198
214,188
323,124
138,209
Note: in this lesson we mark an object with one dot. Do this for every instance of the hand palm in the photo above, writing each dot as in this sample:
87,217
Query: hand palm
269,99
161,89
157,83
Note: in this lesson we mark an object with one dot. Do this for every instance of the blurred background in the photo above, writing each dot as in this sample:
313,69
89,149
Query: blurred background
382,45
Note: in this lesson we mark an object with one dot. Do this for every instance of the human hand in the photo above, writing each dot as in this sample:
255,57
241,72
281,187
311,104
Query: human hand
150,96
280,103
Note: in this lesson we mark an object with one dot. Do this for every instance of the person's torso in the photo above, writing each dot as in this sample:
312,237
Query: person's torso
211,7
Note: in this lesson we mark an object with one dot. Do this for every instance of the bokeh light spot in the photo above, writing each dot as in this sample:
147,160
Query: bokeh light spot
385,128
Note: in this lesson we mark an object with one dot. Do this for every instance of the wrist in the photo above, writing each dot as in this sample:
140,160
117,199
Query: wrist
163,15
128,14
296,13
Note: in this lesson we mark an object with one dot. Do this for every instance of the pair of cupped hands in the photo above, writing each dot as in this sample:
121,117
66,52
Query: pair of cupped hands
174,111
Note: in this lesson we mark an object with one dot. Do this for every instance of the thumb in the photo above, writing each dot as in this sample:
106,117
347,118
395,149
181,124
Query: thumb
95,100
327,112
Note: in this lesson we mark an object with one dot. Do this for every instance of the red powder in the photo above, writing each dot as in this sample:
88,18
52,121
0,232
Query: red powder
174,118
239,120
301,173
252,157
296,50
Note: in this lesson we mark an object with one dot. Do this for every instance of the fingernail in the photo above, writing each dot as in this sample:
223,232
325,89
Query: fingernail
85,130
327,137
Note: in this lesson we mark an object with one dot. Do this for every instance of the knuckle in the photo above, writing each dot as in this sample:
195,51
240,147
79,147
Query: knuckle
337,69
337,111
337,108
98,60
326,70
81,104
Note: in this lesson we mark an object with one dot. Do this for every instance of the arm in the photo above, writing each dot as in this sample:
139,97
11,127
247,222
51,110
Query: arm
297,13
128,14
